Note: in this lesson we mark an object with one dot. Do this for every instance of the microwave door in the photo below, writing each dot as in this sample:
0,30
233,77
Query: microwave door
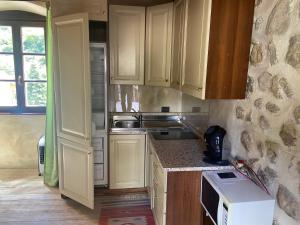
219,215
210,200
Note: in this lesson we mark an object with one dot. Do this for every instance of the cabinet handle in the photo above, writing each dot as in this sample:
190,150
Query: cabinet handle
167,80
178,83
89,153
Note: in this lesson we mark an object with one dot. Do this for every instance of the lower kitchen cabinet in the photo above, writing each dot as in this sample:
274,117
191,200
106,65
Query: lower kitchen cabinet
183,198
158,190
127,161
175,196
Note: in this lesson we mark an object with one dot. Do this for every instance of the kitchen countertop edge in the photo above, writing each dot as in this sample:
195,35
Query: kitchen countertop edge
166,165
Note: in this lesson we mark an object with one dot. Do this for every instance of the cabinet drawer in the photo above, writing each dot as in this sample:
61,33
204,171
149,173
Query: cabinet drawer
98,143
159,176
160,197
158,172
159,211
159,186
98,156
98,172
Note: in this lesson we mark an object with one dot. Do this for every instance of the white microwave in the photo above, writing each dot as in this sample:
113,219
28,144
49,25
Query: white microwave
230,198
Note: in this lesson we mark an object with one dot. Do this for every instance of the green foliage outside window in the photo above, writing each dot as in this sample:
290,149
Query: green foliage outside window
34,44
35,91
6,43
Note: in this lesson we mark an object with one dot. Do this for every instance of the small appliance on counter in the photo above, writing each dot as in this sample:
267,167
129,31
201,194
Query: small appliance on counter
214,137
230,198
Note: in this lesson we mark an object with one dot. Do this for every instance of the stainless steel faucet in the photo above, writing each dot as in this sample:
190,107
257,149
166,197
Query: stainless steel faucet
138,115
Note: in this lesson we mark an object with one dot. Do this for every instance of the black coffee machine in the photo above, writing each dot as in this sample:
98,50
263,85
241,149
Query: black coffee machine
214,142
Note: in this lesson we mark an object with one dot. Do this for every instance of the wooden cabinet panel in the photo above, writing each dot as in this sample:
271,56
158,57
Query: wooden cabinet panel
228,57
216,46
183,198
158,44
127,156
127,40
179,14
196,47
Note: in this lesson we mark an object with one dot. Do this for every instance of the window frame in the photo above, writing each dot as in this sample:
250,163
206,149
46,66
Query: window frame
18,54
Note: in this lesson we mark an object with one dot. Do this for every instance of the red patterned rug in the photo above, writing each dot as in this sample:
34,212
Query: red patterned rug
131,215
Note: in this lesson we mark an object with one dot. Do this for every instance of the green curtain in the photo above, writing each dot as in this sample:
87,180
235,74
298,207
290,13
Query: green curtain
51,164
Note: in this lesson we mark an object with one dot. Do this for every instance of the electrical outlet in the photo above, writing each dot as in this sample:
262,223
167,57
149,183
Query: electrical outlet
165,109
196,109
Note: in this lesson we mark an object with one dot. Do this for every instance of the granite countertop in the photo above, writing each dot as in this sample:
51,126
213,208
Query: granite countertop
183,155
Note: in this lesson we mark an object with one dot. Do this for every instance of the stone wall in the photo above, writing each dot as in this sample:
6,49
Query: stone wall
265,128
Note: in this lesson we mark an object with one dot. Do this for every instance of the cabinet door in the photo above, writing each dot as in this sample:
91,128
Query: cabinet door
127,156
127,40
73,104
197,42
178,43
76,175
158,44
73,100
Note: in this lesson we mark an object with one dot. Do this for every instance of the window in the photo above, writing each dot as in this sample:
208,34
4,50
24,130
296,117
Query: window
23,76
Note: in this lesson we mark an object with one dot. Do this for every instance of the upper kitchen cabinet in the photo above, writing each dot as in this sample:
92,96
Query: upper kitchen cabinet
127,44
216,48
158,45
178,43
196,46
96,9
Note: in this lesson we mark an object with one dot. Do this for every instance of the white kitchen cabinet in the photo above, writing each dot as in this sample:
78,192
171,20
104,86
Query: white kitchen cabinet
179,20
158,188
127,161
73,104
158,45
196,47
211,45
127,44
79,70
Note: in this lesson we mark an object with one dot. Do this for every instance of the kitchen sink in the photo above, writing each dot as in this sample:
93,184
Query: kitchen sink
127,124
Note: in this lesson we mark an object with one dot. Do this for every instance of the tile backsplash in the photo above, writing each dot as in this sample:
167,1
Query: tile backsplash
124,98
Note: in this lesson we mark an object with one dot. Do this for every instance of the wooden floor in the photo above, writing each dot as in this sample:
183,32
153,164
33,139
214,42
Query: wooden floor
24,200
